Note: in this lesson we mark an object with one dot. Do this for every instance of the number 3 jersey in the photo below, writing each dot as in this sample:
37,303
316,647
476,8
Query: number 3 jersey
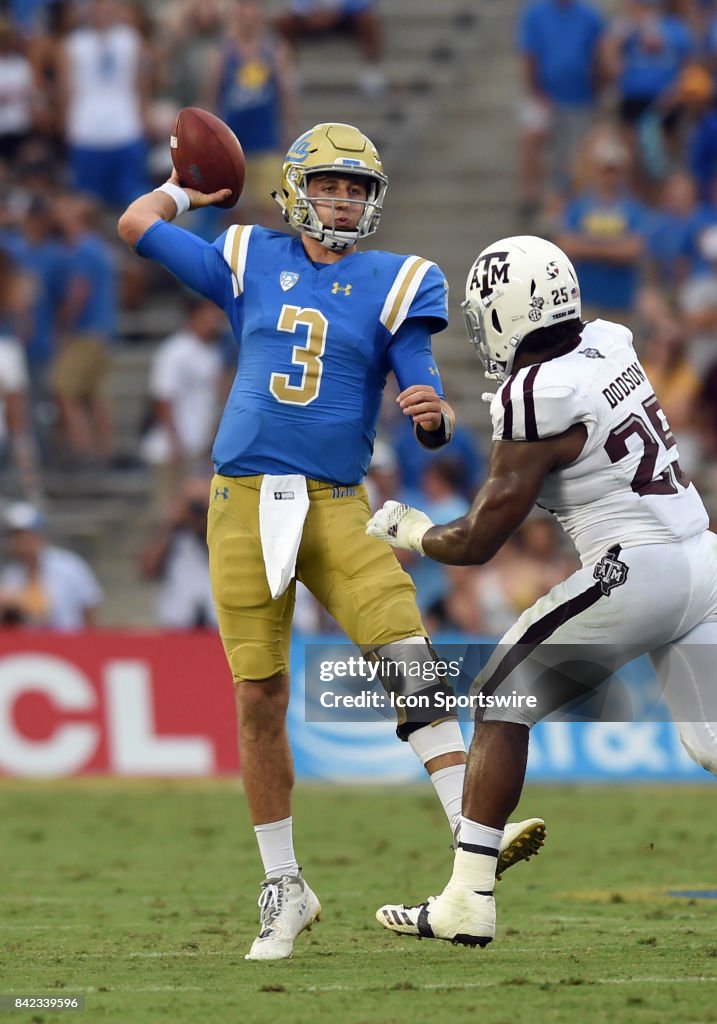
626,486
316,342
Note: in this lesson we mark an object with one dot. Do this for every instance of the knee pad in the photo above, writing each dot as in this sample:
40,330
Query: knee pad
409,673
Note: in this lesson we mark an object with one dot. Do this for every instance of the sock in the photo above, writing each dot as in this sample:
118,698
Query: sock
476,856
276,846
448,783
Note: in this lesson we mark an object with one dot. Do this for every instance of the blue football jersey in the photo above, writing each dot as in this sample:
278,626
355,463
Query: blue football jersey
316,342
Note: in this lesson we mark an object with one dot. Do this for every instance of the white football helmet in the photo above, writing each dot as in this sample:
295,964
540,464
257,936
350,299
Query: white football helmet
514,287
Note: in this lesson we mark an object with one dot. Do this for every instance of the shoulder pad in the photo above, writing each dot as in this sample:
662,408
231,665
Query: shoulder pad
234,248
416,291
537,403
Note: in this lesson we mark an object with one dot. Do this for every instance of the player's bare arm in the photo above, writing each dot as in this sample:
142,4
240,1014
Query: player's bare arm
516,475
159,205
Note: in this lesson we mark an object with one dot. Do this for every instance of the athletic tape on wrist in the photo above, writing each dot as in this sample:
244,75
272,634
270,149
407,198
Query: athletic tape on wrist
178,194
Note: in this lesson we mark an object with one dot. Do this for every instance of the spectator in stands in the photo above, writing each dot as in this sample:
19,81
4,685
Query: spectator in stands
35,175
677,387
44,586
191,36
383,479
702,146
102,83
31,16
673,232
559,43
646,48
251,87
603,232
184,386
464,446
17,444
698,304
177,558
359,17
19,96
41,254
87,325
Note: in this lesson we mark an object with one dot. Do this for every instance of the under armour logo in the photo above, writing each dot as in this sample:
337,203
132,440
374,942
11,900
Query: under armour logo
488,271
336,288
221,492
610,572
283,495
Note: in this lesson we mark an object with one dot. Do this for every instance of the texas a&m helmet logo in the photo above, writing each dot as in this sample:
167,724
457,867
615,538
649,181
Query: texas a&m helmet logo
490,270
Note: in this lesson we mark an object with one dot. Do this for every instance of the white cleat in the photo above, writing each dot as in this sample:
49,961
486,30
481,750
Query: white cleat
287,907
460,916
521,841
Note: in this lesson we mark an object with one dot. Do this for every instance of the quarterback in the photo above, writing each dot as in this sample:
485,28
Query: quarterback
319,326
578,429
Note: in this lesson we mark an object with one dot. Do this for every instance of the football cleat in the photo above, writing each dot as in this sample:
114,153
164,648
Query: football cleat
521,841
460,916
287,907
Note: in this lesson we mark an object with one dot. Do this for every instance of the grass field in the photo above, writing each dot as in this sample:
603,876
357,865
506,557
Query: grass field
142,898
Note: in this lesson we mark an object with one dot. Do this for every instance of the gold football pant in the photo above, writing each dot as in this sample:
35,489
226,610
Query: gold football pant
356,578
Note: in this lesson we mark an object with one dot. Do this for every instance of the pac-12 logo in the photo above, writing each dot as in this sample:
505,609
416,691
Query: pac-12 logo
489,271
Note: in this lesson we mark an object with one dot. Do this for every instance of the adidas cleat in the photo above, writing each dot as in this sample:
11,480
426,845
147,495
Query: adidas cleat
460,916
287,907
521,841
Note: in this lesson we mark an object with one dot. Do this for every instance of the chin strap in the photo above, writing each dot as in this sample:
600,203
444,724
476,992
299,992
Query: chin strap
279,200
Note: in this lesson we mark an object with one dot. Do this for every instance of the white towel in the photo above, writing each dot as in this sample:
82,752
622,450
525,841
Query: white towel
283,504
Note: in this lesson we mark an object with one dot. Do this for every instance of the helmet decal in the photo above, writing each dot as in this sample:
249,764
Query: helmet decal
490,269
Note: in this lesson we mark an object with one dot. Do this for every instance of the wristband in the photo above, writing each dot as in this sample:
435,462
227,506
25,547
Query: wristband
435,438
179,195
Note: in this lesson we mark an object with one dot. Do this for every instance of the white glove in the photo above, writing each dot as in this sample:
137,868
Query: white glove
399,525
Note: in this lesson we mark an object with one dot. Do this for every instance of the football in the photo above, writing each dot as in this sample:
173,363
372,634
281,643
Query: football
207,155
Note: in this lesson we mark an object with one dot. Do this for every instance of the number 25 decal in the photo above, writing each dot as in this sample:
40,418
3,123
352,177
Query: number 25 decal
306,356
